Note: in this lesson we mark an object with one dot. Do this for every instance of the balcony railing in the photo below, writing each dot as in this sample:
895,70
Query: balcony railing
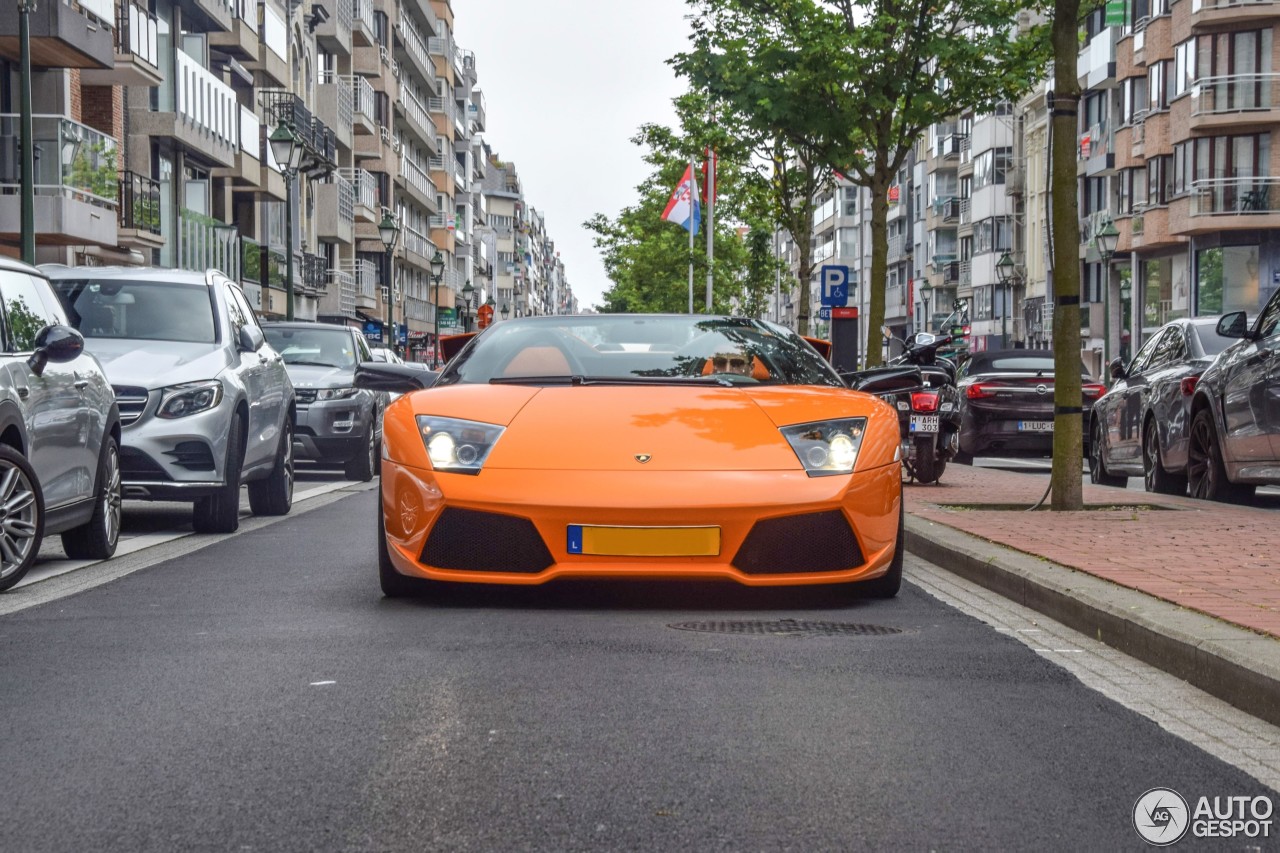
344,94
319,143
251,257
137,33
415,110
364,275
362,97
416,176
205,242
362,13
1200,5
206,101
364,188
139,203
346,198
247,12
72,160
313,273
345,284
416,47
1234,93
250,133
966,211
275,34
1235,196
417,242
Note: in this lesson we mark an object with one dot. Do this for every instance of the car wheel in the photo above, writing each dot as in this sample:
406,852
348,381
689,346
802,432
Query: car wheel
220,512
1154,476
1098,474
97,538
1206,472
365,463
394,584
274,495
888,584
21,516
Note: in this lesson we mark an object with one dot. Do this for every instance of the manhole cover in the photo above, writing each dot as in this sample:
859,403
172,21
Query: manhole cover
788,627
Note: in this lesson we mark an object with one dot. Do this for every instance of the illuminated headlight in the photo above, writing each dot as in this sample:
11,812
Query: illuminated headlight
457,446
336,393
825,448
178,401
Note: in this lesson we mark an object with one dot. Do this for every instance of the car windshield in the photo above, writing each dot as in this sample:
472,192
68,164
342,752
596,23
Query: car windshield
319,347
142,310
1210,341
1013,361
639,349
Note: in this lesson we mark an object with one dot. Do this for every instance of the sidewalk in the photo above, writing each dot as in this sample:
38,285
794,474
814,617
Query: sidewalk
1187,585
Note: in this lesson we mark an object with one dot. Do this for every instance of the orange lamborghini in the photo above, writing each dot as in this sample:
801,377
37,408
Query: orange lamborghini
636,446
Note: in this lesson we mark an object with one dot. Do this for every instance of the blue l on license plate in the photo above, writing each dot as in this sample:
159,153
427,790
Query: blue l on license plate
1035,426
924,423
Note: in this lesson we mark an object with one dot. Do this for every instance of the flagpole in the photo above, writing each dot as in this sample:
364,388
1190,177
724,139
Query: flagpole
711,219
692,191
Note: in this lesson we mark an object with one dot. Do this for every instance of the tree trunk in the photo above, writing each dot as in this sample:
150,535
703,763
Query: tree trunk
1066,478
879,189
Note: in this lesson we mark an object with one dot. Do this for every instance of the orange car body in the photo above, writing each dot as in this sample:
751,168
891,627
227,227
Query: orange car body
668,482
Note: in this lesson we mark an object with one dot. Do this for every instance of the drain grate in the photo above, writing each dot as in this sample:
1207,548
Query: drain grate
788,628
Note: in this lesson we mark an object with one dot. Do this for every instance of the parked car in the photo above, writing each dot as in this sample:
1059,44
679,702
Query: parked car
336,422
544,453
1141,425
385,355
1006,403
205,402
59,431
1235,412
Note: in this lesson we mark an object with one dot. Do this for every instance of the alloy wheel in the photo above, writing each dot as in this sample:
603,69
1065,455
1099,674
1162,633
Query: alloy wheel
17,519
1200,460
113,497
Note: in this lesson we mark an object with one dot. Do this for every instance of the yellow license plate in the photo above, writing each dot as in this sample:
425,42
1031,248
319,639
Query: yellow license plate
643,541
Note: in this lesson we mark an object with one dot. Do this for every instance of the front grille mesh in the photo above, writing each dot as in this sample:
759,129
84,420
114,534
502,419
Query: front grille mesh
473,541
304,396
192,455
813,542
131,401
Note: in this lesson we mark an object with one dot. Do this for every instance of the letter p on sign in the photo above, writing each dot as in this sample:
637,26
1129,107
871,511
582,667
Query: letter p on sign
835,286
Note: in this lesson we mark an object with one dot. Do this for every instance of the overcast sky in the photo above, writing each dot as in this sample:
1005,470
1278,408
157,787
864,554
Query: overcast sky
567,83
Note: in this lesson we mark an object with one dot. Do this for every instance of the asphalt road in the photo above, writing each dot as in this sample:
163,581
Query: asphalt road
259,694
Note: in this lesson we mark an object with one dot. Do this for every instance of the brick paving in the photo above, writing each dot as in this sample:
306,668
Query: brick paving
1218,559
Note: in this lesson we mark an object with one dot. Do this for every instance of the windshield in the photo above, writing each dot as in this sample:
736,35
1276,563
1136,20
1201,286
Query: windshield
141,310
1211,343
647,349
318,346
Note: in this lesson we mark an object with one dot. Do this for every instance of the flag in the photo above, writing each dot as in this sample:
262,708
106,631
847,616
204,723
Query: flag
683,207
710,184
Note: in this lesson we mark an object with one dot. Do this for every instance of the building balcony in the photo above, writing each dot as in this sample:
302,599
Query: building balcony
319,142
343,283
335,210
245,172
364,280
363,109
76,182
313,274
362,26
242,39
137,52
414,114
334,33
364,195
1096,62
138,212
1214,14
207,243
411,50
418,183
1231,204
476,111
272,56
63,34
949,146
201,113
335,106
1236,102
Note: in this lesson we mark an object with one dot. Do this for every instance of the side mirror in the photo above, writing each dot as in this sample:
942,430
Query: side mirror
250,339
923,339
396,378
886,333
56,343
1234,325
1116,368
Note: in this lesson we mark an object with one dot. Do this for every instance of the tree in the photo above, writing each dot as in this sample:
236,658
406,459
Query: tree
855,83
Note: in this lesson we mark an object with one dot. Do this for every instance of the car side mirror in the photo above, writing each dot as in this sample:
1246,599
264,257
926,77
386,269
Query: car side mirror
396,378
1116,368
56,343
1234,325
250,339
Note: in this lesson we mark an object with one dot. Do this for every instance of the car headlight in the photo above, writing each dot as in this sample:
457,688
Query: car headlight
457,446
178,401
336,393
825,448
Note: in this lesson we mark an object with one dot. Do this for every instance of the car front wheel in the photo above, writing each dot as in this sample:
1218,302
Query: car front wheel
274,495
1206,471
220,511
364,464
21,516
888,584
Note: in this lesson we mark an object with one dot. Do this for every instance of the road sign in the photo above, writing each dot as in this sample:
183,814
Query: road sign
824,313
835,286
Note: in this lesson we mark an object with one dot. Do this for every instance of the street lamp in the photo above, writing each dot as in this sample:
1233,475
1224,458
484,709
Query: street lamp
506,310
437,273
389,230
926,290
287,150
467,292
1107,239
1006,271
27,134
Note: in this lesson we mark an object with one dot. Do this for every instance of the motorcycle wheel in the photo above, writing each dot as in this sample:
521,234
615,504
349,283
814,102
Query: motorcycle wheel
928,466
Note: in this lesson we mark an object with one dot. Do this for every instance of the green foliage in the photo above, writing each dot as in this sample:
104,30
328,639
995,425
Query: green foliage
94,169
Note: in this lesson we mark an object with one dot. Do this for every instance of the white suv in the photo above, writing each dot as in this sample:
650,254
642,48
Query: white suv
204,400
59,428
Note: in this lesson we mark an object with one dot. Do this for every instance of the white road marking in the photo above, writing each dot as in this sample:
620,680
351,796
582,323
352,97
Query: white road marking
322,683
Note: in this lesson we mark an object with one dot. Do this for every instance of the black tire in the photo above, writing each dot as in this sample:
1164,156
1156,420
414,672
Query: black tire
97,538
928,466
1206,472
274,495
1155,477
220,512
22,505
1098,473
888,584
364,464
394,584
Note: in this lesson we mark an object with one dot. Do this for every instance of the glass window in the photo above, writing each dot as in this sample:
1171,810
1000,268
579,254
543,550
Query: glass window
320,346
26,311
1227,280
1270,317
143,310
1140,360
242,302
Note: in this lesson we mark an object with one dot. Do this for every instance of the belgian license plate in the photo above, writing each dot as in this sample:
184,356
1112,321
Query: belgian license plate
924,423
1035,426
643,541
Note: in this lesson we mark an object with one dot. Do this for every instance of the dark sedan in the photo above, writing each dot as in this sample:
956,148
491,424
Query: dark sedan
1006,403
1141,426
1235,413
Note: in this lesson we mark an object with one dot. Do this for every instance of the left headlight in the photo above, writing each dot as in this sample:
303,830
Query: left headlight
178,401
336,393
458,446
826,448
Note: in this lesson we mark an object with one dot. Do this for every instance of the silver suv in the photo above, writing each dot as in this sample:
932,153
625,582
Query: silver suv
59,431
336,422
204,400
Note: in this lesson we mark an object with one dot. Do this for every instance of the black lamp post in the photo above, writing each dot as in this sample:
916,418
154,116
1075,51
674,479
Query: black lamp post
926,290
467,292
389,230
27,134
287,150
1107,239
1006,271
437,273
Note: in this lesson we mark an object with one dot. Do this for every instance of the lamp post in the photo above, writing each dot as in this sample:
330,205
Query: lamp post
926,290
27,134
389,230
1107,240
467,292
1006,272
437,273
506,311
287,150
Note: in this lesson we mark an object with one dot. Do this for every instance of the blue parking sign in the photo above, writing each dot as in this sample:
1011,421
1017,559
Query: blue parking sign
824,313
835,286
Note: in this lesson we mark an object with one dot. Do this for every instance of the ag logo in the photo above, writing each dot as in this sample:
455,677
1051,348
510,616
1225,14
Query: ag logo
1161,816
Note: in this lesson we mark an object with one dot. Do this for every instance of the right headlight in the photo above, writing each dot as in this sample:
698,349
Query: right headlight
827,448
178,401
457,446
